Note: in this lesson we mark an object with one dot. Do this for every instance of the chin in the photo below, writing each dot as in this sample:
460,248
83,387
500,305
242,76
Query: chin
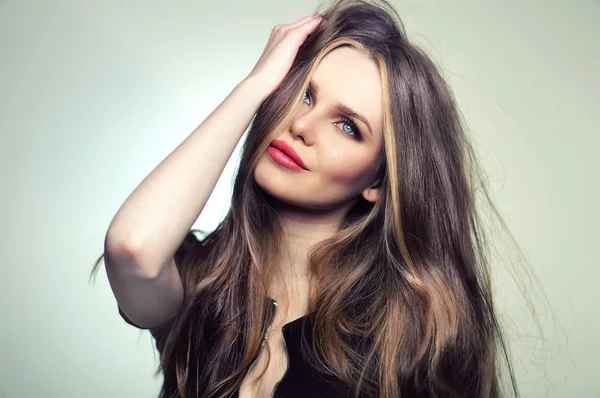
284,188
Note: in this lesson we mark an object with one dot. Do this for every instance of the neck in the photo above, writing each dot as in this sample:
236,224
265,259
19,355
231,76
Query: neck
301,230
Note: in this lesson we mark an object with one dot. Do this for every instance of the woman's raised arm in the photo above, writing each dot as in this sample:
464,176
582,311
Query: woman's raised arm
152,223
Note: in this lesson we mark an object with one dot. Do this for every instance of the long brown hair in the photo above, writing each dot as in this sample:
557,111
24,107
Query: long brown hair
408,276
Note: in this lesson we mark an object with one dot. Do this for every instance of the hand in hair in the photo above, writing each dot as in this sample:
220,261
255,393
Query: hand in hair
279,54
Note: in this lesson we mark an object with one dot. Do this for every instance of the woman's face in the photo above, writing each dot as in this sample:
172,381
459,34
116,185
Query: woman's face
340,151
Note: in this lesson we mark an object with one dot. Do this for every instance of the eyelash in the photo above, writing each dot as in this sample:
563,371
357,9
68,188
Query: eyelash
357,134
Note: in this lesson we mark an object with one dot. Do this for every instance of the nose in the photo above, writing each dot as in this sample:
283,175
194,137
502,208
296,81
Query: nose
304,126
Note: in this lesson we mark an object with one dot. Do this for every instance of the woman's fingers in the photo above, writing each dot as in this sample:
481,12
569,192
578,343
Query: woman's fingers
301,21
281,50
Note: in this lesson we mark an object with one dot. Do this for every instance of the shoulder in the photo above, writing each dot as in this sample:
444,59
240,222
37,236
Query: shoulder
161,332
189,243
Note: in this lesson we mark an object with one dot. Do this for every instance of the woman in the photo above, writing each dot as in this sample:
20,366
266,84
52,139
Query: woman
352,261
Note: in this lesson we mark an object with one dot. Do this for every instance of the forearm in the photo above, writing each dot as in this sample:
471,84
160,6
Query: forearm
155,218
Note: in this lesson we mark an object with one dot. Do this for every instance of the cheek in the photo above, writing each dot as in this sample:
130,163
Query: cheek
260,172
346,167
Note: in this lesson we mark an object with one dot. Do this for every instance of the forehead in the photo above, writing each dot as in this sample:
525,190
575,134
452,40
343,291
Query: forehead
349,76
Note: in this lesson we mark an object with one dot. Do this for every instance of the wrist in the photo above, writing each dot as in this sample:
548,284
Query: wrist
254,88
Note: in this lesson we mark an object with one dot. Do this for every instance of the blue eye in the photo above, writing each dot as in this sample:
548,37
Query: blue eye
352,125
306,95
357,135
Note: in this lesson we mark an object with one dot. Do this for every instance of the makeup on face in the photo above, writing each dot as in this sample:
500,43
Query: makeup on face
285,155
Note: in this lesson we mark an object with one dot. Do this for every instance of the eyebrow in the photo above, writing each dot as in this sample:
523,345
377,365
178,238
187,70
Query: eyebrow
343,108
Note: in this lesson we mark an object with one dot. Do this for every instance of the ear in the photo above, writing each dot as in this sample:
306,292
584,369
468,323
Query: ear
372,193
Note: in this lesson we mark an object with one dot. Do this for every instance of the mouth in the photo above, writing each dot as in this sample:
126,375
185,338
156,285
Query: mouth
285,155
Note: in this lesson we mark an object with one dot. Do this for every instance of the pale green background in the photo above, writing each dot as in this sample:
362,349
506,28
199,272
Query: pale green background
94,94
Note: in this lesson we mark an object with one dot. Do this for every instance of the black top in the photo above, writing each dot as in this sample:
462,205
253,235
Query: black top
300,379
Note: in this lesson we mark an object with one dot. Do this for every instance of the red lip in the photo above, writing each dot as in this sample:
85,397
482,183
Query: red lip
289,151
